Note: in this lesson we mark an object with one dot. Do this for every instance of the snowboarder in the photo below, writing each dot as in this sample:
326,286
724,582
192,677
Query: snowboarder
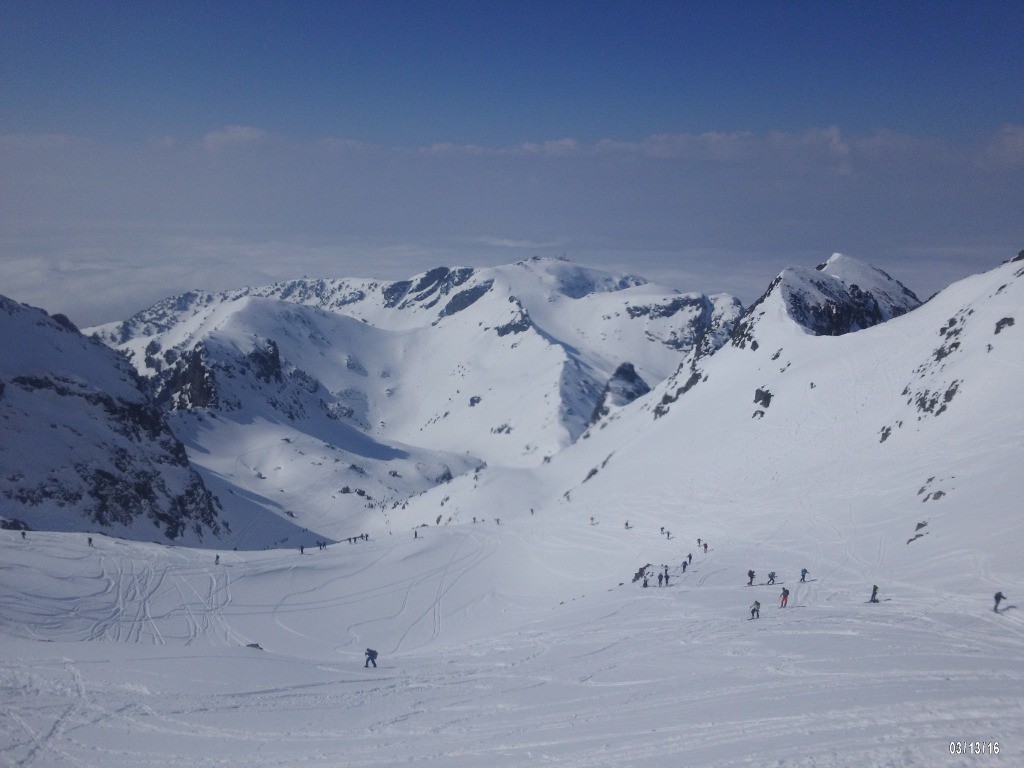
755,610
771,577
371,658
705,547
999,596
661,578
874,594
750,578
784,598
803,574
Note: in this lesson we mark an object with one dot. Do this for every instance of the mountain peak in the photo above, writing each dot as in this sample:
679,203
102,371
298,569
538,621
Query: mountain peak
839,296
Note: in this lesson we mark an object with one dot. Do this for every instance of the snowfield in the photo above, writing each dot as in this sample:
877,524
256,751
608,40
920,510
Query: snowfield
131,654
505,602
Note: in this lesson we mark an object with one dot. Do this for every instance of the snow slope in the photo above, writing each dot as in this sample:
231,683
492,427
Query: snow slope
332,403
887,456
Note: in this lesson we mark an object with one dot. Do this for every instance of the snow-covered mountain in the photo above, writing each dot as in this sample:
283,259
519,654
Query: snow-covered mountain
511,627
81,446
333,402
906,428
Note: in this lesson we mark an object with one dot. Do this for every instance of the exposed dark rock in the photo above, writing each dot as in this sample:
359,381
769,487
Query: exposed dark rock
466,298
763,397
622,388
266,362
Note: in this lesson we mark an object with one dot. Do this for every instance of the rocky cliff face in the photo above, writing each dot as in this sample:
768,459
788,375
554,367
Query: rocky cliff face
81,446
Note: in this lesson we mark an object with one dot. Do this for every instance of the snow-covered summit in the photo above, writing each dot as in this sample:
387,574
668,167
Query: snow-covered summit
840,296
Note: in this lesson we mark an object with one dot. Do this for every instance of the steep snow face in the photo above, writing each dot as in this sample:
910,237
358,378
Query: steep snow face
398,386
81,447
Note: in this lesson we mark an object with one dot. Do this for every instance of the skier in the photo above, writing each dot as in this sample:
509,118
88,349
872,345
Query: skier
371,658
689,558
755,610
874,594
661,578
698,541
627,525
666,577
705,547
771,577
803,574
216,560
684,566
90,541
750,578
784,598
999,596
645,581
302,549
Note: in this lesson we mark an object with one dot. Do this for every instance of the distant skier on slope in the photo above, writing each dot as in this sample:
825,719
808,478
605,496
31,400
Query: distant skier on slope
784,598
771,577
999,596
803,574
684,566
874,594
755,610
371,658
660,578
750,578
705,547
689,558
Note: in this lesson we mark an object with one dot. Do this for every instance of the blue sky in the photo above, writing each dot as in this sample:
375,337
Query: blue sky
705,145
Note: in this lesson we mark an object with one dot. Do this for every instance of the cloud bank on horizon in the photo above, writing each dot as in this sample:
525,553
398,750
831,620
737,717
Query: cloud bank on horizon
147,151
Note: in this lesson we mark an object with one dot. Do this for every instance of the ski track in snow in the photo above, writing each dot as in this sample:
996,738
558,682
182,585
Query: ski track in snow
146,666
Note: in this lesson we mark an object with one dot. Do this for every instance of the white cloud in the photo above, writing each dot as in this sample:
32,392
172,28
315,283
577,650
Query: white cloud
98,231
233,136
1006,147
